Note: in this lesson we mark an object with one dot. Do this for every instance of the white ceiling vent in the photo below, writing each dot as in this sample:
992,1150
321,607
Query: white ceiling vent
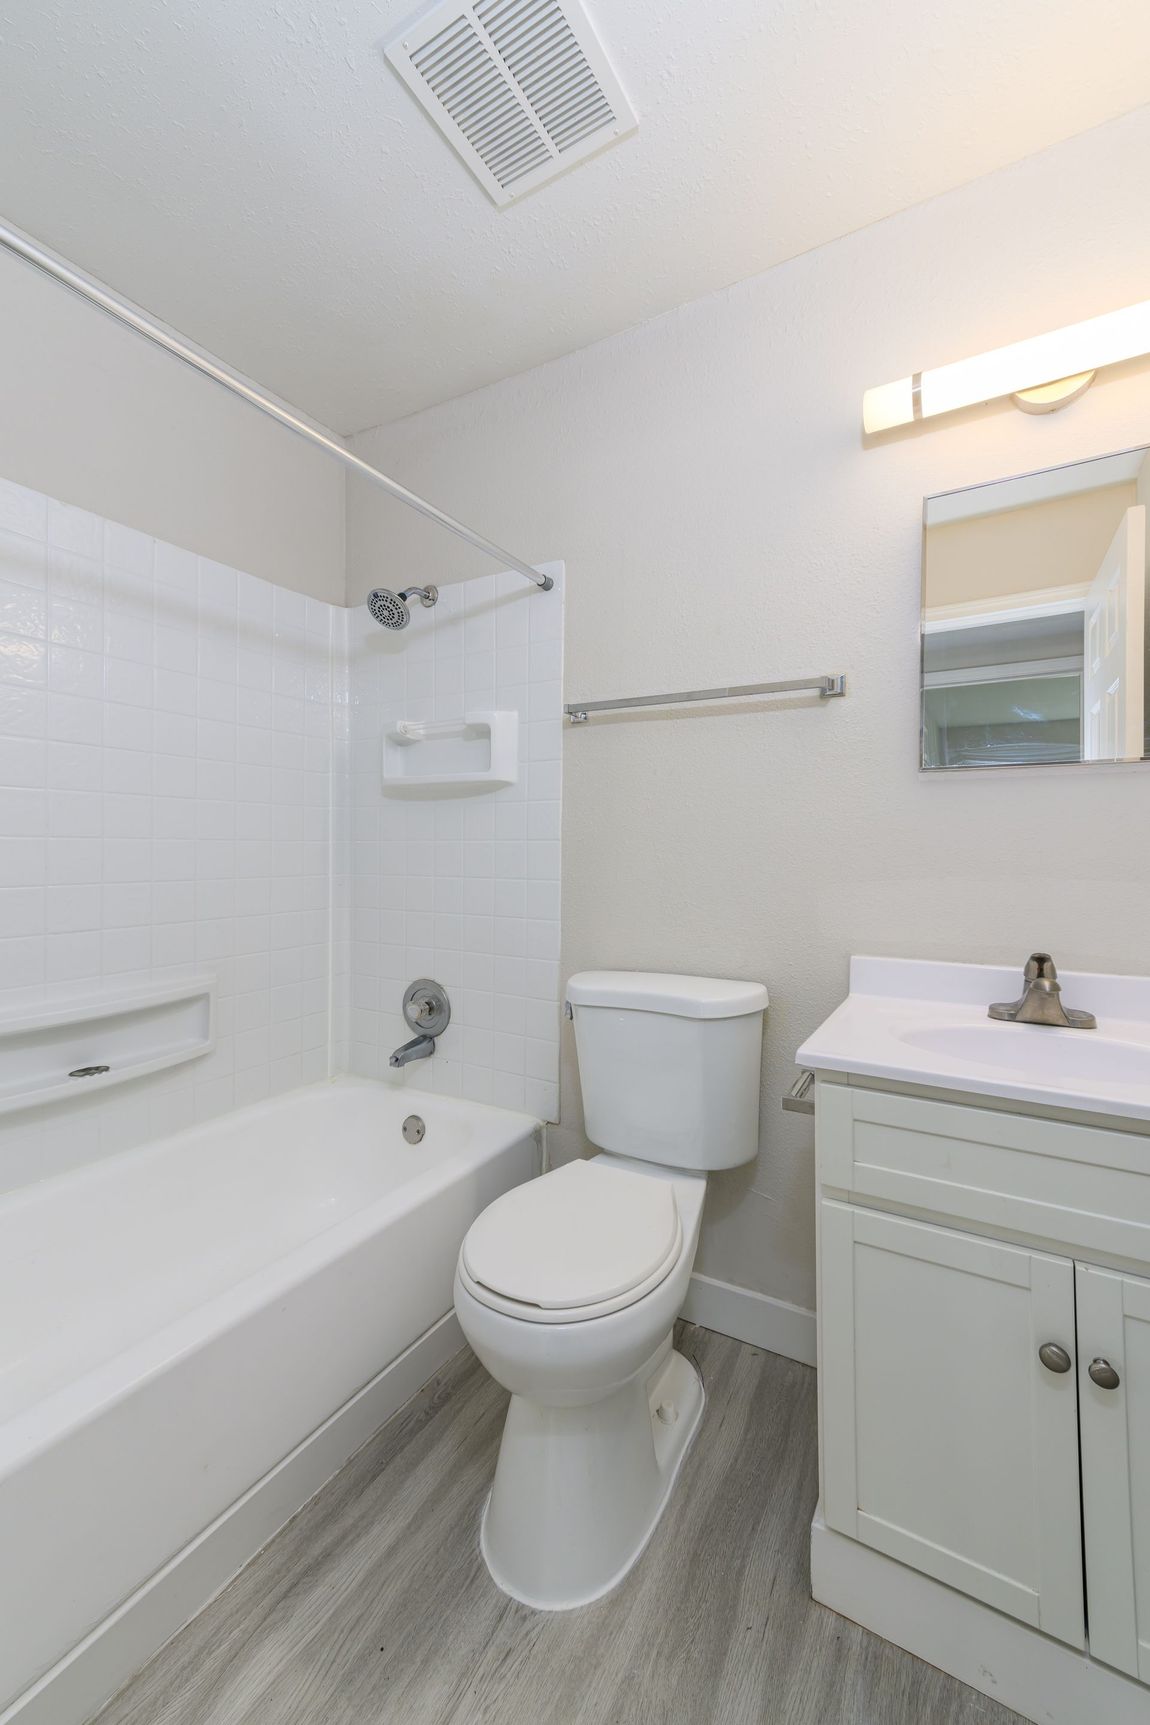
521,88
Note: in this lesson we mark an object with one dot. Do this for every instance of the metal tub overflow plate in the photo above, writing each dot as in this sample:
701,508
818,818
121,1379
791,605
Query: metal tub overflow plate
414,1129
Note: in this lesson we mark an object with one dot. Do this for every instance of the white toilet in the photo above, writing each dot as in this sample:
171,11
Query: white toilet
568,1287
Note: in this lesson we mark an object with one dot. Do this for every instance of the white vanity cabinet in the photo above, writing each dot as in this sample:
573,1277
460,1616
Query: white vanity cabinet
983,1211
947,1444
984,1365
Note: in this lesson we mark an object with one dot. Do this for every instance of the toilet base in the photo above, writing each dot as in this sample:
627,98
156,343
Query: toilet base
578,1491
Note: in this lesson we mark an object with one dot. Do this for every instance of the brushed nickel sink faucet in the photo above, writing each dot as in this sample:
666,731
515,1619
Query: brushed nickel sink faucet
1041,1000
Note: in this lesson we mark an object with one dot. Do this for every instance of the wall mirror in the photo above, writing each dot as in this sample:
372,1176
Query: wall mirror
1034,618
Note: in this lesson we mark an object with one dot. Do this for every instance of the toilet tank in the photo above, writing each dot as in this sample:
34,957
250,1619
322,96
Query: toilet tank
669,1065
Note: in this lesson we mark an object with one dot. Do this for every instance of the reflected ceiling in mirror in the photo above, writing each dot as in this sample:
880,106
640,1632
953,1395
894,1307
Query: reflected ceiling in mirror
1034,618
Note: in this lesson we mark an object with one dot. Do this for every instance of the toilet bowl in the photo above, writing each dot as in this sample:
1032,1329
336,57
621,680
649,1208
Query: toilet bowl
602,1409
568,1287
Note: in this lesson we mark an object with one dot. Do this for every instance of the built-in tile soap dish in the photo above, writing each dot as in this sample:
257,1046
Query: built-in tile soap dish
55,1051
479,749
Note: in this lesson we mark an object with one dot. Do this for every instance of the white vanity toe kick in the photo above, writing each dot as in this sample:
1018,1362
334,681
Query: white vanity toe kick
923,1023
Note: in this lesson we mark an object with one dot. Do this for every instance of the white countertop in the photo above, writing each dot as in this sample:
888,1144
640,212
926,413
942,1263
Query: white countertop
923,1022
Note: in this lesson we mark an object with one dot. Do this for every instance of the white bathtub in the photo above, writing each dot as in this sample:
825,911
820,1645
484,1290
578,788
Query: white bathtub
193,1335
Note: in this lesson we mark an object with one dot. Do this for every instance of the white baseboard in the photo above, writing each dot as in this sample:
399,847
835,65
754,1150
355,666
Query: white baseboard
1019,1667
102,1663
775,1325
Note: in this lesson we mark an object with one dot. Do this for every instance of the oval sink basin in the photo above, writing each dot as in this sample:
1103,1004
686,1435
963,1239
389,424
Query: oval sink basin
1034,1054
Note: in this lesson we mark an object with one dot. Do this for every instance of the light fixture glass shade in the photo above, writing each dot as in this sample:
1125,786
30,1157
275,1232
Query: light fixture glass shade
1081,347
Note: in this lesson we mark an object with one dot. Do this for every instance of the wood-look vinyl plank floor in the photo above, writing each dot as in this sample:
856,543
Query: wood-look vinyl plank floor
373,1606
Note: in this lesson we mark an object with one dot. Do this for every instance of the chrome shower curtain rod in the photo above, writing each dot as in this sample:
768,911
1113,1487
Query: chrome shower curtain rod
19,245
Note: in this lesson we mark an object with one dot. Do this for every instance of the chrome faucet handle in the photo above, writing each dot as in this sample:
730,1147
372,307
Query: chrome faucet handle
1041,1000
426,1006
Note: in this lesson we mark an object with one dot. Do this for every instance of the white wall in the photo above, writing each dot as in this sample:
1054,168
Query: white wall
96,417
706,481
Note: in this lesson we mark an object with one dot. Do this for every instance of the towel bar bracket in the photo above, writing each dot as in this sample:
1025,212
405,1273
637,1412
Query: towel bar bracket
799,1098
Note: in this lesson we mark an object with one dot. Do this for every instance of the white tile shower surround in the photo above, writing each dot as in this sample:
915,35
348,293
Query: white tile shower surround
190,782
463,887
165,790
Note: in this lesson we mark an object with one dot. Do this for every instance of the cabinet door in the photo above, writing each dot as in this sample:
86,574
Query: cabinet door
946,1443
1114,1331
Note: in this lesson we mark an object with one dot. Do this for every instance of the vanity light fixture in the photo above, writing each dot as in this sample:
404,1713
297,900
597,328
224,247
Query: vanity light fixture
1044,373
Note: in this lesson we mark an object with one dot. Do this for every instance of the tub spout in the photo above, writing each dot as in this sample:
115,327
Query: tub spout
417,1049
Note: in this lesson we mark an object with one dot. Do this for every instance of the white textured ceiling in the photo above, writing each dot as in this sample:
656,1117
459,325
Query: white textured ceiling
253,173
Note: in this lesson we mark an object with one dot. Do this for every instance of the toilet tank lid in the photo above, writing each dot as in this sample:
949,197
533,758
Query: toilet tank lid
652,991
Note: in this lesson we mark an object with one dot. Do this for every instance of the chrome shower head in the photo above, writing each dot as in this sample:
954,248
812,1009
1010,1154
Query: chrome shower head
390,608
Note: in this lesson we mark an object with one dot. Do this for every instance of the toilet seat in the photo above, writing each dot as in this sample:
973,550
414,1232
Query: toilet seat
575,1244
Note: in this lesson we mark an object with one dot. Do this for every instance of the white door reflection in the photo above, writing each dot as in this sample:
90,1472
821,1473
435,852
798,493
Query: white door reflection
1114,646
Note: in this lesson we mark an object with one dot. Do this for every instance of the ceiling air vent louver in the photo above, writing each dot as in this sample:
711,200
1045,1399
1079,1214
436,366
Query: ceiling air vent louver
522,89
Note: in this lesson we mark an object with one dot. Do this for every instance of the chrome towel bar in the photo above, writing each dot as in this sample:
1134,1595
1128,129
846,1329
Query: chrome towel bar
579,711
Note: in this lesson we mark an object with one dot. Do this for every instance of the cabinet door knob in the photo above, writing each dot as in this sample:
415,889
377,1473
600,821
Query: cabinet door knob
1054,1358
1102,1373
